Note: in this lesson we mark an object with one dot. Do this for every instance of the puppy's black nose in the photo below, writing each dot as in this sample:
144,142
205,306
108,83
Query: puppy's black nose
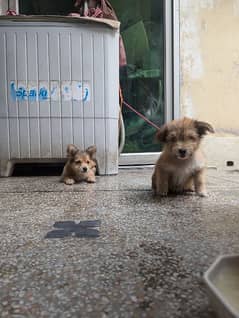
182,152
84,169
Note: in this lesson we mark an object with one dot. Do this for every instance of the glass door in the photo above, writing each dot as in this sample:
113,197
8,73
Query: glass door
142,79
144,28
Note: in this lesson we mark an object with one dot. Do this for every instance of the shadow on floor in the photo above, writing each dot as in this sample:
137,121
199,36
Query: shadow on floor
37,169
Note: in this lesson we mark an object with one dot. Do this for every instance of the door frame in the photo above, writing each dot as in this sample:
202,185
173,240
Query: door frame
171,79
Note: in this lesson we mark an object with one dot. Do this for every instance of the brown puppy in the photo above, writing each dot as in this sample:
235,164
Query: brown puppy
181,165
80,166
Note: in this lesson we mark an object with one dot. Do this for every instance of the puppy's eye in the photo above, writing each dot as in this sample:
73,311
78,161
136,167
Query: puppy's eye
172,138
87,161
78,162
192,137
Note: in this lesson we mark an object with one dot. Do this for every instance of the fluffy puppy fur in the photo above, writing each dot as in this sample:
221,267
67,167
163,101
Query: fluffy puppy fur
181,165
80,166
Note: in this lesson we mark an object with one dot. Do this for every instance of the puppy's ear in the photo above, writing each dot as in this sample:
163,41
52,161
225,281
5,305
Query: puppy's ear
203,127
91,151
71,150
162,133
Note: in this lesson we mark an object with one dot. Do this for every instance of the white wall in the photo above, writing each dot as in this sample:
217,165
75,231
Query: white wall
209,57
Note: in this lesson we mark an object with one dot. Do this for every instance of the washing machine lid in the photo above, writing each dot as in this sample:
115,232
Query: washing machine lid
59,18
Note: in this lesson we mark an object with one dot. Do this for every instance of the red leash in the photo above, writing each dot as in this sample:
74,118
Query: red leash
122,102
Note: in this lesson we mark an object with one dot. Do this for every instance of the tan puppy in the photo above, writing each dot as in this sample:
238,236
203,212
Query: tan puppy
181,166
80,166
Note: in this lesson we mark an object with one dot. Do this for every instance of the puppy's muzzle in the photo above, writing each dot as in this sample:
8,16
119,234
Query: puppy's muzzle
182,152
84,169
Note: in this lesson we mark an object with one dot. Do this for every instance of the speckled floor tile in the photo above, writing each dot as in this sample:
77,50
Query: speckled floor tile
148,260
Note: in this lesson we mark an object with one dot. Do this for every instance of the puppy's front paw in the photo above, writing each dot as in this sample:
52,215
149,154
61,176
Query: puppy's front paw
202,194
91,180
69,181
188,190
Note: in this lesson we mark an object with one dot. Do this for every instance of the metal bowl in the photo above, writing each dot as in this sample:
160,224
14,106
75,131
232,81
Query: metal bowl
222,280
